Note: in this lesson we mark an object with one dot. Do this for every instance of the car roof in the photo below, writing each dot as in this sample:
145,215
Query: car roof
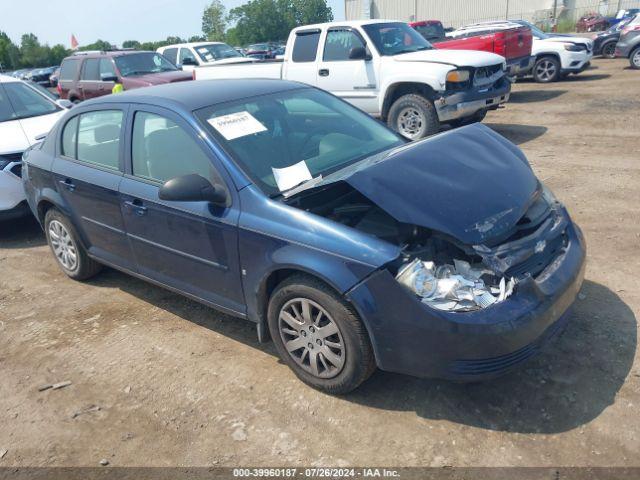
351,23
109,53
190,44
192,95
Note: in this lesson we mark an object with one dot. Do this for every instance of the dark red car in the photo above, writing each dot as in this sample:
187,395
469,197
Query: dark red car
592,22
90,75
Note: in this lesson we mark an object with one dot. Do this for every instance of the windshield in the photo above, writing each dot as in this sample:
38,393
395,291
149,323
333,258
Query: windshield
215,51
395,38
535,31
258,47
308,129
141,63
44,91
431,31
17,101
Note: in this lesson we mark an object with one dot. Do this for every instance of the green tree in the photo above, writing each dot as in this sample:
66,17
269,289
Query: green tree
131,44
311,11
197,38
9,53
57,53
32,54
102,45
213,21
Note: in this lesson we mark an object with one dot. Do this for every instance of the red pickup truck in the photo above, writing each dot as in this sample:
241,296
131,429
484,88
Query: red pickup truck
513,43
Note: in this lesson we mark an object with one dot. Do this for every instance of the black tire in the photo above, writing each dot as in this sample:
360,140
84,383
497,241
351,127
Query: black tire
413,116
634,59
84,266
357,354
546,69
609,50
475,118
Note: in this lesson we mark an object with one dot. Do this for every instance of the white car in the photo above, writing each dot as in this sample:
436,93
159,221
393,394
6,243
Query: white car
26,115
556,55
196,54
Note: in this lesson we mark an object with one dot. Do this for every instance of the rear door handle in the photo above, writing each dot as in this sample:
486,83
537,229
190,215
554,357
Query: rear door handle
68,184
323,72
136,206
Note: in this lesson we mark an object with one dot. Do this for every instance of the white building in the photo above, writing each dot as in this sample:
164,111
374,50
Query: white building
455,13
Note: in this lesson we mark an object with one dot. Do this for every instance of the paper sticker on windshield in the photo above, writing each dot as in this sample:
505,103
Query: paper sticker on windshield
236,125
208,56
292,176
202,50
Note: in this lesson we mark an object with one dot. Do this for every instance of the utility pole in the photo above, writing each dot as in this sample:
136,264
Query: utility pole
506,13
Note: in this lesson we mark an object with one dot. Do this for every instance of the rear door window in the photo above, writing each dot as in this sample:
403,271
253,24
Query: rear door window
69,69
305,47
98,138
91,69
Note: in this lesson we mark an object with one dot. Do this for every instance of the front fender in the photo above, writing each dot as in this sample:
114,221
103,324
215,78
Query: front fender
431,75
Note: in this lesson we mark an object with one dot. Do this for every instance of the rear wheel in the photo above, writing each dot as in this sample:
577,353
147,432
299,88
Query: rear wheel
609,50
319,336
414,117
546,70
634,59
66,247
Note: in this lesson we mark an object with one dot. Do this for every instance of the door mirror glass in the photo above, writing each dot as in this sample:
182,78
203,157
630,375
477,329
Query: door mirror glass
189,61
108,77
193,188
358,53
64,103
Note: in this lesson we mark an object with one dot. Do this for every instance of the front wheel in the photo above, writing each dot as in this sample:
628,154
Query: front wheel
319,336
609,50
634,59
546,70
414,117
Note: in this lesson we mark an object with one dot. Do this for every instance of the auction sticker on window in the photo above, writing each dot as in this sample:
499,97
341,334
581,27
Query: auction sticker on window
236,125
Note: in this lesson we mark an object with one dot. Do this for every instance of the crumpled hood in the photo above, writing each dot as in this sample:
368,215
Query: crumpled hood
470,183
459,58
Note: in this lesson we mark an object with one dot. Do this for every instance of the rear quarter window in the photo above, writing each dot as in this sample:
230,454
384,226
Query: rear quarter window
306,46
69,69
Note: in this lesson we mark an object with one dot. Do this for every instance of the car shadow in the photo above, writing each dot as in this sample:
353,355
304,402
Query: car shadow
530,96
574,379
22,232
518,133
582,77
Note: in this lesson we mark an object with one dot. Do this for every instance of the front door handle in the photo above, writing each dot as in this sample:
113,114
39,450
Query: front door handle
136,206
68,184
323,72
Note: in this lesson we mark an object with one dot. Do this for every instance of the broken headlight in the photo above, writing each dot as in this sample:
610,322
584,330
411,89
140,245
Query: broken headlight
459,287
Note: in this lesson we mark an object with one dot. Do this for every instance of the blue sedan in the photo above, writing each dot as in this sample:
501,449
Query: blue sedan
281,204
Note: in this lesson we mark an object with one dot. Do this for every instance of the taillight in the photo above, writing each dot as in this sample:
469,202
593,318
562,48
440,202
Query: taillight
59,88
499,44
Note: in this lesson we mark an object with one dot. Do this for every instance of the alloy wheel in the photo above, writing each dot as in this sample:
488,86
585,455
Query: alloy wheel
609,50
410,122
636,58
62,245
546,70
311,337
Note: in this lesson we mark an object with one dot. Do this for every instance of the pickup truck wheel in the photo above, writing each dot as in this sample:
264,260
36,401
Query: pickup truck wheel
634,59
609,50
319,336
67,249
414,117
546,70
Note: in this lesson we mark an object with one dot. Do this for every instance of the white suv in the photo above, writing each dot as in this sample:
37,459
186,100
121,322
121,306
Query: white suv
26,114
197,54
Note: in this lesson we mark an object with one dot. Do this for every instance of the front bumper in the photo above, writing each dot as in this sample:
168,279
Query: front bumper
576,62
11,191
411,338
457,105
520,66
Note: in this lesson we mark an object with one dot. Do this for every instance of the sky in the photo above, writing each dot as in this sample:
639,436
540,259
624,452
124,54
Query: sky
112,20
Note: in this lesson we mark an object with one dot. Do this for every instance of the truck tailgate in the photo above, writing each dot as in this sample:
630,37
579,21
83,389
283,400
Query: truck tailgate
264,69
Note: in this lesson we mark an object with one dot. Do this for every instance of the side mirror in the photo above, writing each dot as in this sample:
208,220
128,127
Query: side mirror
190,61
193,188
64,103
359,53
108,77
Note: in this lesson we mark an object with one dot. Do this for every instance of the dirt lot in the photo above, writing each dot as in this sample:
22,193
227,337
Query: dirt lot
179,384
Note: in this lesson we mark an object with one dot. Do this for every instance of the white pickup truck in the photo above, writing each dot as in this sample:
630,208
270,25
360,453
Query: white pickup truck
388,70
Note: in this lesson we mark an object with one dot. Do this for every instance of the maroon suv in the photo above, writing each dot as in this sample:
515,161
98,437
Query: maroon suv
89,75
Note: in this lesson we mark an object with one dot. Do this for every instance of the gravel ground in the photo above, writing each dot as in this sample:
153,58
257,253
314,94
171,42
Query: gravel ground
158,380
